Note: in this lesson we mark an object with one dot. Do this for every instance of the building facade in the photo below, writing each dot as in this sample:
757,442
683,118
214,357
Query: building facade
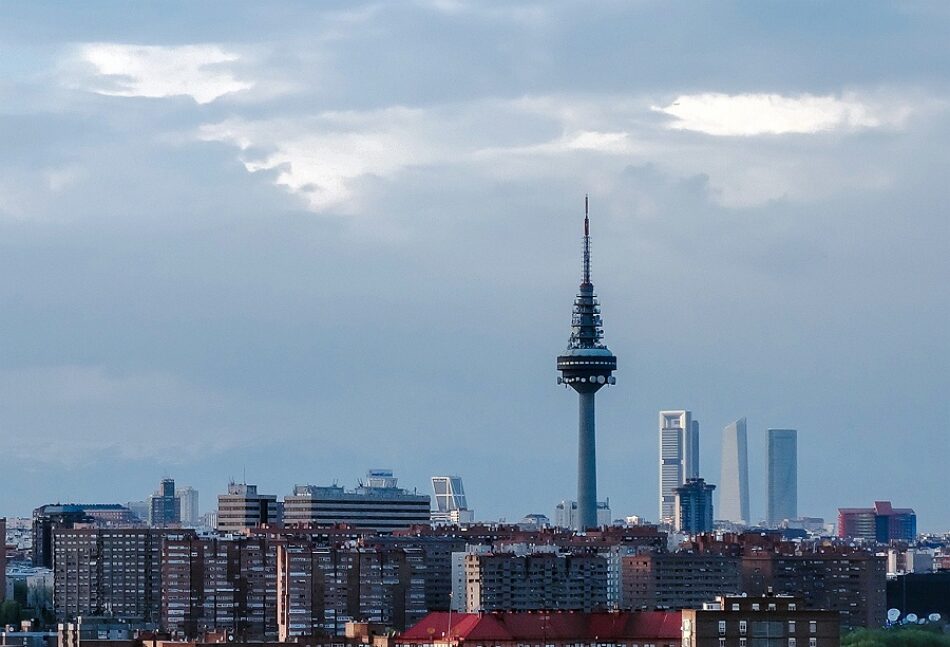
772,620
509,582
243,508
734,480
782,476
108,571
883,523
679,458
47,518
677,580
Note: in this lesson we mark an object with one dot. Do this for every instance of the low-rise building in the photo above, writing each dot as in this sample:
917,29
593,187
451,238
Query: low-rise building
548,628
735,621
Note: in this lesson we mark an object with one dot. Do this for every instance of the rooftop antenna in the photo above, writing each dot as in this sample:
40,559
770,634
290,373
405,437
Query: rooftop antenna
586,242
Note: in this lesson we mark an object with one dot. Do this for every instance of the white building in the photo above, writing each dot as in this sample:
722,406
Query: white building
188,496
734,481
679,457
565,514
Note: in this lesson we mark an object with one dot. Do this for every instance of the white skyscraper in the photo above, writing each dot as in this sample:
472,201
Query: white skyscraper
679,457
783,476
188,496
734,482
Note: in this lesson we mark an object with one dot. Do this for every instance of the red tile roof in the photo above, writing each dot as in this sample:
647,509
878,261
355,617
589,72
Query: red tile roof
551,625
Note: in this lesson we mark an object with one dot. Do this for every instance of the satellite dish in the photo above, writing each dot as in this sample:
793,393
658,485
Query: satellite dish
922,621
893,615
934,617
911,618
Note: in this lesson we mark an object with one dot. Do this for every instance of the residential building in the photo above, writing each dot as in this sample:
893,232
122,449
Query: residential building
451,506
679,458
782,476
114,571
243,507
224,583
509,582
734,481
139,509
734,621
188,503
694,507
164,508
677,580
552,628
378,505
843,579
566,515
883,523
48,518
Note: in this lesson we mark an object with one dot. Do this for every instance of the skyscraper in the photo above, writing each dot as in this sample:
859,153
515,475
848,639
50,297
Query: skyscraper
586,366
450,503
694,507
188,502
679,457
783,476
734,483
163,508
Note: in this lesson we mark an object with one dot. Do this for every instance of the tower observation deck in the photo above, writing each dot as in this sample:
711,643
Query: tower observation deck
586,366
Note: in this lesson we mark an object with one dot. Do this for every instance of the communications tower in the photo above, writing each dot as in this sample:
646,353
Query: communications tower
586,366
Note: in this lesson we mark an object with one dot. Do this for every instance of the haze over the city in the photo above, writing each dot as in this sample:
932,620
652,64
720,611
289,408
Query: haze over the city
288,242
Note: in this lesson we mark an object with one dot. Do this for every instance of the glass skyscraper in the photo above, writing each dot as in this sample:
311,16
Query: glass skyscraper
783,476
679,457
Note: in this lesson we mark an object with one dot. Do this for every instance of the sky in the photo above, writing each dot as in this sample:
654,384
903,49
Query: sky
288,242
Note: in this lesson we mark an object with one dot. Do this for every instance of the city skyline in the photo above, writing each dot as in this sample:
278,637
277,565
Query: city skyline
306,240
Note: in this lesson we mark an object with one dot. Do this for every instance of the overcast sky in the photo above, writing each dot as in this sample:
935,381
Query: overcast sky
299,240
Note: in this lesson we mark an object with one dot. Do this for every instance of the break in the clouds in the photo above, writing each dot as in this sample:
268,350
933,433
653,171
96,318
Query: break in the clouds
774,114
198,71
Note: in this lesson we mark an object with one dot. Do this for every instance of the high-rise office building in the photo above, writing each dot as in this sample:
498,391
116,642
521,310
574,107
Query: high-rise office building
242,508
782,476
164,509
694,507
450,503
679,457
378,505
188,503
734,482
586,366
882,523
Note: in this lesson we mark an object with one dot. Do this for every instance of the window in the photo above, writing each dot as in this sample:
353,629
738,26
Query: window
812,626
791,606
735,606
722,642
722,627
742,642
791,626
742,627
791,642
812,642
755,606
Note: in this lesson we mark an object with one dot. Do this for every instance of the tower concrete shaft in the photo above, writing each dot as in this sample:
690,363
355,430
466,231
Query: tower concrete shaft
586,366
